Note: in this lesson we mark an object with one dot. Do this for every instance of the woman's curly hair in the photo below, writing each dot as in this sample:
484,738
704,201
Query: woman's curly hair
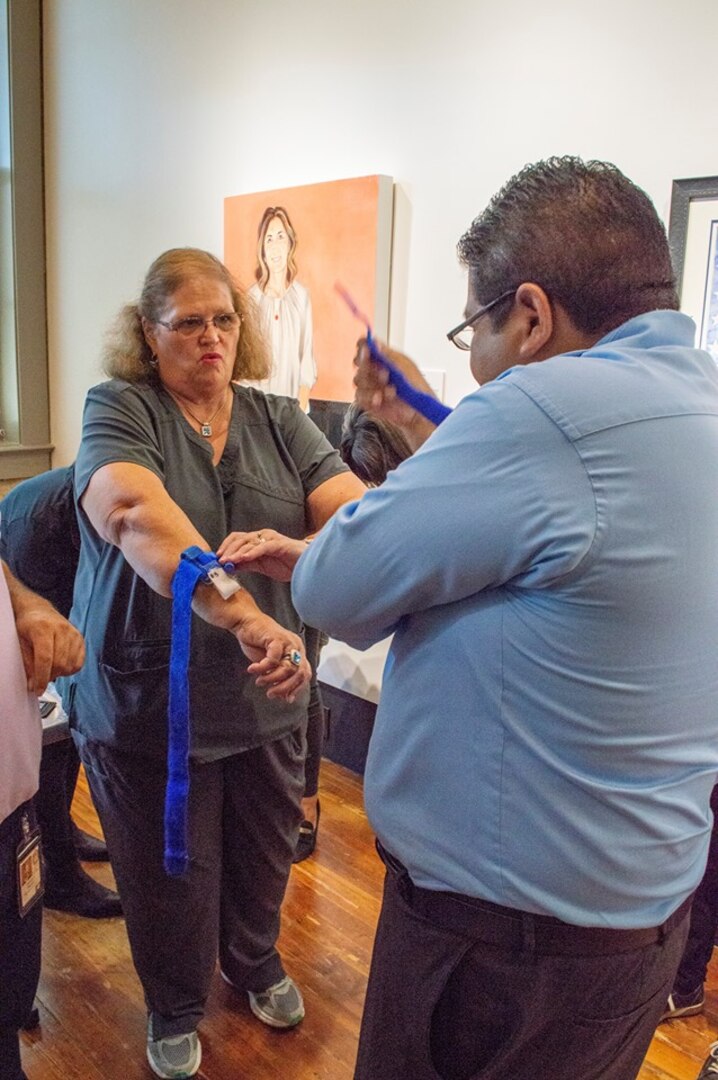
128,356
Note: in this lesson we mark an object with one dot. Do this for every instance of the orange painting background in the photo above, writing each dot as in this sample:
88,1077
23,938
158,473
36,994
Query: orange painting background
336,224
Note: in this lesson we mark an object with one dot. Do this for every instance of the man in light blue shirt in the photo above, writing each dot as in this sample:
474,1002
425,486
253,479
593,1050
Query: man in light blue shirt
546,742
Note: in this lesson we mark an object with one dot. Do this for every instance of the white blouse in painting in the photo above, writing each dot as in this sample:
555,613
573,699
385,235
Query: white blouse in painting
287,321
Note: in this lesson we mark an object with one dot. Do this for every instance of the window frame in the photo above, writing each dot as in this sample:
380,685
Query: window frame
31,455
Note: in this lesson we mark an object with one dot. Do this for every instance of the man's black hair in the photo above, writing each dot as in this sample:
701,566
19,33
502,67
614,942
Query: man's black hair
582,231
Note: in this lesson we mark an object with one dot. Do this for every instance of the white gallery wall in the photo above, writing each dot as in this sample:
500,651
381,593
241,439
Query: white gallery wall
155,110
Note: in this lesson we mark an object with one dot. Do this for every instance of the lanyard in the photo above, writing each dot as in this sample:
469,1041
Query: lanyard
195,565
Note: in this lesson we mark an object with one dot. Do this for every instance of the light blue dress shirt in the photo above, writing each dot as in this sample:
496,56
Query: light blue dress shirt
547,736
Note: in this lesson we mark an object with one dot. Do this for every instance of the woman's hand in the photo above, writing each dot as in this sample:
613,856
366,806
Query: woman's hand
264,552
278,659
375,393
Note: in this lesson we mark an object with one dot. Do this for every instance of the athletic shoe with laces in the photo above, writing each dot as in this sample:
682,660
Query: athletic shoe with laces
710,1065
280,1006
175,1057
684,1004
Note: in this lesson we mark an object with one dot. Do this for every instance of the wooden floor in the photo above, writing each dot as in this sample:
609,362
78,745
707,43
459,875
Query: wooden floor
93,1017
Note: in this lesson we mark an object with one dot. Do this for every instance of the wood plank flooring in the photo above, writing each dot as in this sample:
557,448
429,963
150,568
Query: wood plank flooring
93,1016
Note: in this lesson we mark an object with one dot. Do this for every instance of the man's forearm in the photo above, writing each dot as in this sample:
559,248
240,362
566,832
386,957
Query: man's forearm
22,599
50,646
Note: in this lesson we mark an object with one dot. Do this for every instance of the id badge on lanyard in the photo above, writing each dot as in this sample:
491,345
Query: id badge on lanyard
30,883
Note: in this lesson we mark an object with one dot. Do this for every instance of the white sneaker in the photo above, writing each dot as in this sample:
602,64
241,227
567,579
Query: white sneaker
280,1006
176,1057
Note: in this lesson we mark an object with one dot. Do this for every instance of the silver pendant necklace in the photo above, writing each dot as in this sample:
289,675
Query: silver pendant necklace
205,427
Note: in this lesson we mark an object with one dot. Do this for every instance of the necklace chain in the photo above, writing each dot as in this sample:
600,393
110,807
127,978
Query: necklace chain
205,426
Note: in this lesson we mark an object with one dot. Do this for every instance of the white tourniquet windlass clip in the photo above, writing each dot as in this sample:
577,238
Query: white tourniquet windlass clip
225,585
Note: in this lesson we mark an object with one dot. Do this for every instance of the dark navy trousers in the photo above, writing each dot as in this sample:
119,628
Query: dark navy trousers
461,989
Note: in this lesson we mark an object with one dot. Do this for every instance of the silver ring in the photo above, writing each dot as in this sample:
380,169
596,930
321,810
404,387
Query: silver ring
293,656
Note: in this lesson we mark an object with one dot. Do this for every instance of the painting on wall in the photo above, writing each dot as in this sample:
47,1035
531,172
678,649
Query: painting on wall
289,247
693,236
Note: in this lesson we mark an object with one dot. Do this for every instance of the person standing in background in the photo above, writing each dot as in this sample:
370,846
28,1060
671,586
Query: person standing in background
36,645
40,542
371,447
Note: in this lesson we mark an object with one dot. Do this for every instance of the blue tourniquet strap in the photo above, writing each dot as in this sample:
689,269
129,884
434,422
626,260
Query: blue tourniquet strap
192,568
428,406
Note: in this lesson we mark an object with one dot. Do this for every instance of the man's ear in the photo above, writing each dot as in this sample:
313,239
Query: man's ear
536,321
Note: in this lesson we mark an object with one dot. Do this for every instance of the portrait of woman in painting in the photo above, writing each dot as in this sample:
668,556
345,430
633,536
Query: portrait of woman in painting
285,308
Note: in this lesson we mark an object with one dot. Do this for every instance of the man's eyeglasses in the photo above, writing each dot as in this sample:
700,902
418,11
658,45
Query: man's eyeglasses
194,325
462,334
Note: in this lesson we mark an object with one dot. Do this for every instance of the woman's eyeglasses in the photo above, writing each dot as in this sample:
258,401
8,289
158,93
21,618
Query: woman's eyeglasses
194,325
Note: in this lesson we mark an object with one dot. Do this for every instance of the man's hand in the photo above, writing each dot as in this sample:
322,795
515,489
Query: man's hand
264,552
273,650
375,394
50,645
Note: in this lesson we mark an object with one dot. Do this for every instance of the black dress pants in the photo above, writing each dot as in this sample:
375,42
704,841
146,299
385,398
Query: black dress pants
20,940
316,715
464,990
59,766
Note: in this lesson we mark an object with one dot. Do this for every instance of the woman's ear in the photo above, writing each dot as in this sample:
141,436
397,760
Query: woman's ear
536,321
149,333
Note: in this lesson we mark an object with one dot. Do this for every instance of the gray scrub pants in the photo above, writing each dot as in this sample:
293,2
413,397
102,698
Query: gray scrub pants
244,814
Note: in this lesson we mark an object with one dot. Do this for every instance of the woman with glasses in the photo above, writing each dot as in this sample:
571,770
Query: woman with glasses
175,454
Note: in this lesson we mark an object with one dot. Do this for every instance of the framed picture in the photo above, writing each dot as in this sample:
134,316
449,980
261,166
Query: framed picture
693,237
288,247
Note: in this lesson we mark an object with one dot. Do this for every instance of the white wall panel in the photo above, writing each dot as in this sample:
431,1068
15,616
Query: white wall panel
157,109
